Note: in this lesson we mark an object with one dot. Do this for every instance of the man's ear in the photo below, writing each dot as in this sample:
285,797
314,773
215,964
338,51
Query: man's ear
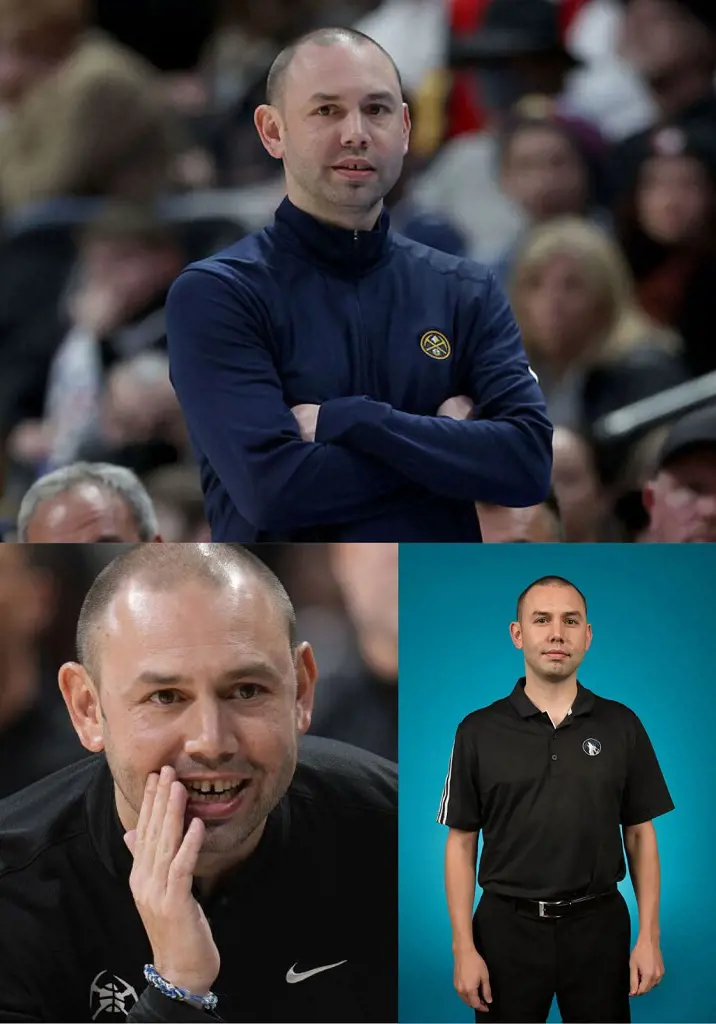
306,676
82,700
269,125
516,634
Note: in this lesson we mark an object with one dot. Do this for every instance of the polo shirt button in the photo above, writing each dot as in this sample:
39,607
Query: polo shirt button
554,757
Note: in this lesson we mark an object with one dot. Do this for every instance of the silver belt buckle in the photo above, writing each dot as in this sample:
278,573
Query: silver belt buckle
541,909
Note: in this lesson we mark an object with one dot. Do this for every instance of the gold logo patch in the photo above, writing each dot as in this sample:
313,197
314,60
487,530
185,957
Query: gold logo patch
435,345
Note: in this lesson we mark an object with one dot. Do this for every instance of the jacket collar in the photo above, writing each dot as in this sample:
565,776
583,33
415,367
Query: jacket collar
346,252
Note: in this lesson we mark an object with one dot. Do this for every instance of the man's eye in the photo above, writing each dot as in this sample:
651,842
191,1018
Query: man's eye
377,108
325,110
249,691
164,697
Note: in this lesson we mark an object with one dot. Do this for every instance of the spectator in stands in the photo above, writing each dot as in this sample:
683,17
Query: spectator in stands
680,499
592,348
34,736
666,224
362,707
83,114
538,524
551,165
179,504
672,45
517,51
127,262
87,504
583,501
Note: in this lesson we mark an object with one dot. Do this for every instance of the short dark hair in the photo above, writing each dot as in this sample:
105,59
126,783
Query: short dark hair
548,581
165,566
320,37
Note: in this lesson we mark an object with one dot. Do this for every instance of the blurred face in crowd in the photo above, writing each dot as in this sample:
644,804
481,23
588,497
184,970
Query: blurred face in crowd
661,39
577,487
35,37
544,174
681,501
86,514
200,677
534,525
341,129
367,575
675,199
135,271
561,312
552,632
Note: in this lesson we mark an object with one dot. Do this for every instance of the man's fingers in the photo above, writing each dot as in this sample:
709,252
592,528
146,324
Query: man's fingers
145,812
633,980
486,991
181,872
170,837
159,809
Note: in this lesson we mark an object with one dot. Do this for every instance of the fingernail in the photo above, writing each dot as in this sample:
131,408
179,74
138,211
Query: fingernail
164,774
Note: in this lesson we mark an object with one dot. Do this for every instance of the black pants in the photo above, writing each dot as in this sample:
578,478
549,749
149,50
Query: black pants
582,958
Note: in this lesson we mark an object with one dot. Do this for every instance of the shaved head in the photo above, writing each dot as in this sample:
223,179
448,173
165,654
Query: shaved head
163,567
320,37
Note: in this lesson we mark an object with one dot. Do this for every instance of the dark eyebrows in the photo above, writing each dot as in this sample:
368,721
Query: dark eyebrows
252,670
571,615
372,97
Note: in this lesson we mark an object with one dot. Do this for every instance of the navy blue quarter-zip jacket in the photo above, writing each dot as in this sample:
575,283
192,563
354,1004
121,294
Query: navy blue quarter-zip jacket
378,331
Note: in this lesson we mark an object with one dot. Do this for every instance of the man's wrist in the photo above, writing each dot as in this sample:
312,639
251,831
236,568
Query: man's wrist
197,985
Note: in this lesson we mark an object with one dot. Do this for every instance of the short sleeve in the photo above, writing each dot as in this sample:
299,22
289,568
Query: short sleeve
460,802
646,794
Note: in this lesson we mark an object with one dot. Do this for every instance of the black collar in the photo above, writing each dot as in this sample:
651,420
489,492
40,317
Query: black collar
583,702
106,832
345,252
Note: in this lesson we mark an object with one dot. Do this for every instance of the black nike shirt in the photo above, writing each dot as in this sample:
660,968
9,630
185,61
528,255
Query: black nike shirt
306,927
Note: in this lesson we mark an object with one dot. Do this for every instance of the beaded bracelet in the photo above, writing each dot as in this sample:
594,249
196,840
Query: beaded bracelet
207,1002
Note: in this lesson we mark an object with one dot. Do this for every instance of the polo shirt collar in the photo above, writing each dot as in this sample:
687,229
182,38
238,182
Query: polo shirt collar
583,702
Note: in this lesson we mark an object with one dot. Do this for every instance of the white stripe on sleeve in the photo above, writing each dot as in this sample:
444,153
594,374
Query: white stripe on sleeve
445,799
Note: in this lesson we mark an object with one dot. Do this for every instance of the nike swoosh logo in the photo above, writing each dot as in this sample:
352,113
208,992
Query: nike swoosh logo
293,976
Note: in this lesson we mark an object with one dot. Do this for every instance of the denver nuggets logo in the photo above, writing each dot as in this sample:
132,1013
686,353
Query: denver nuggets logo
435,345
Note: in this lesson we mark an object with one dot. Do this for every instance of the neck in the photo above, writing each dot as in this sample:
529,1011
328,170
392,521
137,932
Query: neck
352,218
547,695
18,683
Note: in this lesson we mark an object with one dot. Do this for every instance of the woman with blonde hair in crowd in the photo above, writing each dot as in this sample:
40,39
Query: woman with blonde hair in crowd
592,347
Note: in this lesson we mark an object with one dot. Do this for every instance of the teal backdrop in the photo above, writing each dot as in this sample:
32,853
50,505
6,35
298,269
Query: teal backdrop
653,612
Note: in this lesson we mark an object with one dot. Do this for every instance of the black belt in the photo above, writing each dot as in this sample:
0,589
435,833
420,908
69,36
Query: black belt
558,908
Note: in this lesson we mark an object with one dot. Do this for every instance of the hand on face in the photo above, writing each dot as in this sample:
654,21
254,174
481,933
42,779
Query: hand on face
184,950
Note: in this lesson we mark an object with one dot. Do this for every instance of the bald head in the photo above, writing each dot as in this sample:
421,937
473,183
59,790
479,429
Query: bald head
164,567
324,37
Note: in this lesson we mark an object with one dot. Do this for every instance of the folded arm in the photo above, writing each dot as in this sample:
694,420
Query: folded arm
503,456
231,396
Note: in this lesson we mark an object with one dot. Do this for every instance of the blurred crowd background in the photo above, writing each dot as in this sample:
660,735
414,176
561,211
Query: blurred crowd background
570,144
346,601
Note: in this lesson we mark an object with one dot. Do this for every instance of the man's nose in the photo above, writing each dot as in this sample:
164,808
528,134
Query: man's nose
556,635
354,131
210,734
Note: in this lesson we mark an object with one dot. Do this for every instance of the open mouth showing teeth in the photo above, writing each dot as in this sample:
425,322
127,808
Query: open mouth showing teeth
214,792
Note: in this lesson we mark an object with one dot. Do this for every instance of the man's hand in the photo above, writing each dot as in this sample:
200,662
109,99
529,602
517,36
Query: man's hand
458,408
646,967
470,977
307,417
185,953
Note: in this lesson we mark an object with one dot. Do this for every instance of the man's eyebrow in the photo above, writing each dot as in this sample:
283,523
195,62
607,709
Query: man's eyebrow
252,670
372,97
572,615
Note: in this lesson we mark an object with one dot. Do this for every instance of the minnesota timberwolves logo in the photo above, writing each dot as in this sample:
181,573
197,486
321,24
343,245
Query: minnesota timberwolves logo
592,747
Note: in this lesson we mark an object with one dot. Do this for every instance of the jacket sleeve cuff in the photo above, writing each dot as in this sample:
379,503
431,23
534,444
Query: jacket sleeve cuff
339,419
153,1006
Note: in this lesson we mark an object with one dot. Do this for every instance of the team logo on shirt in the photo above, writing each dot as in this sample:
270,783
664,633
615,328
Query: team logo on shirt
435,345
592,747
111,998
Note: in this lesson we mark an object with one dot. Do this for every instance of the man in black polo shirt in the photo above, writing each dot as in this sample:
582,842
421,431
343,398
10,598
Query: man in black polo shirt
549,774
204,850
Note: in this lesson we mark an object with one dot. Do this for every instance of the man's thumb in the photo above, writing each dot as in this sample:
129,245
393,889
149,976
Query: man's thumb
634,981
486,992
130,839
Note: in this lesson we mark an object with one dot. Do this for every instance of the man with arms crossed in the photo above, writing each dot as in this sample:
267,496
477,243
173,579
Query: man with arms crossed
550,774
204,851
340,382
